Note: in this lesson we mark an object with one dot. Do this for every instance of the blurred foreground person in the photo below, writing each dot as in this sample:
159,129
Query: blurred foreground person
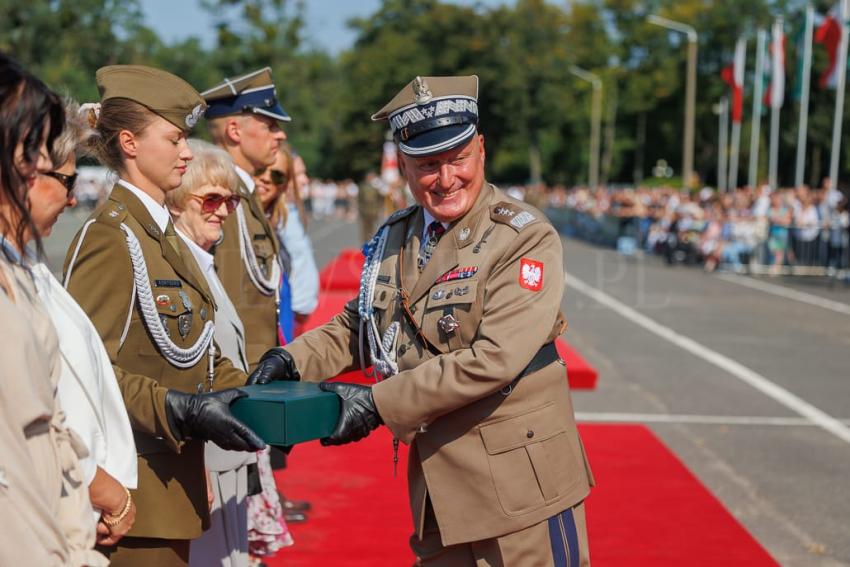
304,278
458,309
88,389
142,288
47,518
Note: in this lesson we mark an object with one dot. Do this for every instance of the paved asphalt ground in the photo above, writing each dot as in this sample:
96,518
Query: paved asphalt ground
746,380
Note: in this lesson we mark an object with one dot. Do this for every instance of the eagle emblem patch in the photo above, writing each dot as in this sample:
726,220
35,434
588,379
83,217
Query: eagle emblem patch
531,274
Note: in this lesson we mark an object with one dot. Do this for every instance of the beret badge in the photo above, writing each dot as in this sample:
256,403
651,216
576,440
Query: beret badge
193,117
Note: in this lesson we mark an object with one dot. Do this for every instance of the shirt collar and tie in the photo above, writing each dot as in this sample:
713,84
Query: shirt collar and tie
432,233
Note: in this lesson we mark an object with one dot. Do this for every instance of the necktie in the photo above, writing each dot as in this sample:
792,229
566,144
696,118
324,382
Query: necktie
172,238
435,231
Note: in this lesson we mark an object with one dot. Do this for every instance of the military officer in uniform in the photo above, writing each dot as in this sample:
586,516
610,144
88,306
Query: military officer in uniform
458,309
244,117
142,289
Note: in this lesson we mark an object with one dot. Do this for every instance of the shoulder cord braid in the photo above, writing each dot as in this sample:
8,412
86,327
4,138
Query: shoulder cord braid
266,286
381,349
177,356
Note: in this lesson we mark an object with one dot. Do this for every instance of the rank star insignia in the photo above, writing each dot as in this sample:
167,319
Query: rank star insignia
530,274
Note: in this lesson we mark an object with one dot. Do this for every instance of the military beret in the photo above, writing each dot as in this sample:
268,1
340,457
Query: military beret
431,115
253,92
163,93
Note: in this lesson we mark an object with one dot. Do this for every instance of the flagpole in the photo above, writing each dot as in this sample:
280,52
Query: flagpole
773,166
802,132
595,124
755,130
839,94
740,46
722,144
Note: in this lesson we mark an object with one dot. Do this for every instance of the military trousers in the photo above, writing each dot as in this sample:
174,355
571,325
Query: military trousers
148,551
560,541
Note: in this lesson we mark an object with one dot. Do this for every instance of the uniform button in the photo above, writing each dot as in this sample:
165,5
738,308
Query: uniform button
413,309
402,349
530,434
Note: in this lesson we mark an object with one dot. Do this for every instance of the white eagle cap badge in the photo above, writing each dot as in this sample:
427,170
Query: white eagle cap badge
193,117
421,91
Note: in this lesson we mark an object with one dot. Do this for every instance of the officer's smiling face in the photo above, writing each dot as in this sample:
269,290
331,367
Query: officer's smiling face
447,184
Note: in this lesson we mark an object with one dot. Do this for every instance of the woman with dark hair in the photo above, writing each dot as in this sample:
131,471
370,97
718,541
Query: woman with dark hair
141,287
41,493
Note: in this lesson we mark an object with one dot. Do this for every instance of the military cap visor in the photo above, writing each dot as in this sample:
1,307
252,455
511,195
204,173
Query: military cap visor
251,93
431,115
164,94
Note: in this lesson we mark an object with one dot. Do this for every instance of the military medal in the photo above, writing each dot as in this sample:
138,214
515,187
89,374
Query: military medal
459,274
184,297
448,324
184,324
164,320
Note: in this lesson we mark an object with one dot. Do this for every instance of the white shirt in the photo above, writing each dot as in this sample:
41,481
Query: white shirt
230,338
159,212
246,178
88,391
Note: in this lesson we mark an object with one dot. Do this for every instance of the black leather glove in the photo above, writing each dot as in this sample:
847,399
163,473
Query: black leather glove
207,416
358,415
275,365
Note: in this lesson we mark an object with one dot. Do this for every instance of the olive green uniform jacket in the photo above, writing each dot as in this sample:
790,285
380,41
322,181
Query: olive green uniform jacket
171,499
494,456
257,310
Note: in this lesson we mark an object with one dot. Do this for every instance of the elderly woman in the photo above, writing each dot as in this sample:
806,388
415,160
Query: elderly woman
88,390
199,207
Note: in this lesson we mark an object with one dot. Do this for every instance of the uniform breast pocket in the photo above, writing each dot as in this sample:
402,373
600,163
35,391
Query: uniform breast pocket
448,321
264,252
175,311
382,302
530,459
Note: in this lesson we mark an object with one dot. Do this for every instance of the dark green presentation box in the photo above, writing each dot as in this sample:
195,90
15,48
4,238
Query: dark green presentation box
286,413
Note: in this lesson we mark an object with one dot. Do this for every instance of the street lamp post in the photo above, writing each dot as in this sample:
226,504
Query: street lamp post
690,92
595,122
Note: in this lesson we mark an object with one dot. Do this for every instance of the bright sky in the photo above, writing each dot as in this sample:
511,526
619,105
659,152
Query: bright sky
177,19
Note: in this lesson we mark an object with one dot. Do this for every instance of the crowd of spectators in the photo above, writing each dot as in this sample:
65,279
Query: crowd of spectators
782,230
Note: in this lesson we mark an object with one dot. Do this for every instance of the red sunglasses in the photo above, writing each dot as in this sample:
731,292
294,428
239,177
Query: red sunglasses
211,202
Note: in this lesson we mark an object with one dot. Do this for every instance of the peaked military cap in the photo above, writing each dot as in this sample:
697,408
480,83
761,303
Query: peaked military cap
253,92
165,94
431,115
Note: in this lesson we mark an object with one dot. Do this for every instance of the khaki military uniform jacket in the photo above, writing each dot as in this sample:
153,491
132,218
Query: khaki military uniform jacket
171,498
258,310
494,455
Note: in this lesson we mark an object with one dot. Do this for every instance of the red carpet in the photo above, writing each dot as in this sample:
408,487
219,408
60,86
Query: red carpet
580,374
343,272
647,510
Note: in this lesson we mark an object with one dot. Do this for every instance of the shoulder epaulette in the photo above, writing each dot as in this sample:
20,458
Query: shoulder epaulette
400,214
512,215
112,214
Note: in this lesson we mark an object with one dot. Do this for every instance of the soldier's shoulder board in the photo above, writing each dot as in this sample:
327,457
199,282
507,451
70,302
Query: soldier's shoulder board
512,215
401,214
113,213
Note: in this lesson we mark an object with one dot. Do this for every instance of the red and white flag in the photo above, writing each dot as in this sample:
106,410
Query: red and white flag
775,95
734,77
829,34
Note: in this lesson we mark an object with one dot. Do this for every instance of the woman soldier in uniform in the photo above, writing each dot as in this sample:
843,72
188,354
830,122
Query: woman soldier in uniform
144,292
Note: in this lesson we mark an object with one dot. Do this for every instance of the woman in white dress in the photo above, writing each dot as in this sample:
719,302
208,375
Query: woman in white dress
88,390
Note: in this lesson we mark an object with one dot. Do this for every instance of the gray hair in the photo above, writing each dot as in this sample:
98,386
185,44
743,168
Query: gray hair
210,166
74,137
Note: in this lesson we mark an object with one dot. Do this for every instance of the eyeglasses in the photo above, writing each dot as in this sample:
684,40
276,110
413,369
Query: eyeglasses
67,180
211,202
278,177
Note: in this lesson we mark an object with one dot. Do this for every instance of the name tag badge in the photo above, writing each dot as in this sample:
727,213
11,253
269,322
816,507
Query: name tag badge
168,283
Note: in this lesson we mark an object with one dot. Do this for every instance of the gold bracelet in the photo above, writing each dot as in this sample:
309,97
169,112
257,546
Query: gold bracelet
118,518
